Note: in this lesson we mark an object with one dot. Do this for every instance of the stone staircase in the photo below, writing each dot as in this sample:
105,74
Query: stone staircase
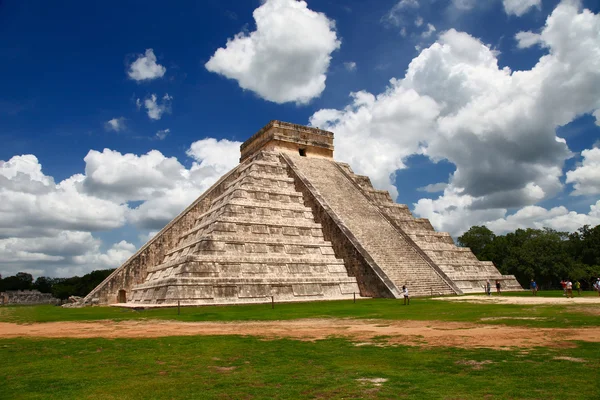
458,263
257,239
402,264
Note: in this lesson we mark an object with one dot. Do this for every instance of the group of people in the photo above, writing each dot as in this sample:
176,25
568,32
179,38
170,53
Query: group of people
488,287
567,287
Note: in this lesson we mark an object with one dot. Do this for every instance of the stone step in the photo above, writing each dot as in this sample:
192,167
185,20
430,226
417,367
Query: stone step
309,241
272,280
229,224
387,247
255,259
252,177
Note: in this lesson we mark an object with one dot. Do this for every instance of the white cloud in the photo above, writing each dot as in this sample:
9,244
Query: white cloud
162,134
464,5
527,39
115,124
596,115
31,203
433,187
154,109
429,31
350,65
498,127
419,21
520,7
286,58
46,228
145,67
558,218
586,177
395,16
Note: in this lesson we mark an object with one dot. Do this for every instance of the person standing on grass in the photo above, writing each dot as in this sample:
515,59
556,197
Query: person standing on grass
497,286
534,288
488,287
569,288
405,294
597,286
563,284
578,287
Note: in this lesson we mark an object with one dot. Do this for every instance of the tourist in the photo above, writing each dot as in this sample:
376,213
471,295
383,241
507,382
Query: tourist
498,286
578,287
406,297
597,286
534,287
569,288
488,288
563,284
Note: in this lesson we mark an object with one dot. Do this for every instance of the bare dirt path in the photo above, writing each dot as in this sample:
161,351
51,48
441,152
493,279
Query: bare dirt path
363,332
533,300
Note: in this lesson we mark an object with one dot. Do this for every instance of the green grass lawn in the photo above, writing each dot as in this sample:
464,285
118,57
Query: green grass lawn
244,367
231,367
420,309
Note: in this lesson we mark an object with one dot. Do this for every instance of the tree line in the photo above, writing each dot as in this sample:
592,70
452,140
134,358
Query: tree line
60,288
546,255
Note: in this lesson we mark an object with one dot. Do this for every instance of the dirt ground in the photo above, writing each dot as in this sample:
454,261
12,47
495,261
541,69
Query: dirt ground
533,300
362,332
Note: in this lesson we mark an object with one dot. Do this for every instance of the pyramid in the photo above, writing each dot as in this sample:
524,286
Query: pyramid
291,224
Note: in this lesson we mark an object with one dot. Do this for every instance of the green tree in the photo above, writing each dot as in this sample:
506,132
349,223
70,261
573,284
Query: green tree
478,238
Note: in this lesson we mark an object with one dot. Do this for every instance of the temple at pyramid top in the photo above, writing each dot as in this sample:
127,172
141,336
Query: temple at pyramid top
289,138
289,223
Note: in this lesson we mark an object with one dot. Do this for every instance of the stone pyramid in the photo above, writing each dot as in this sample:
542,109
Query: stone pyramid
291,224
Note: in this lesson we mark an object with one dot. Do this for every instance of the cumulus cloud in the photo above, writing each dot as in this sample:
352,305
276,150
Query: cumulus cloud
558,218
31,203
526,39
586,177
47,228
145,67
520,7
498,127
286,58
115,124
156,108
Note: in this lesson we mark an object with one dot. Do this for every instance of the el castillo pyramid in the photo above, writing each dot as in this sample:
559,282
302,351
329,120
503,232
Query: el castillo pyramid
291,223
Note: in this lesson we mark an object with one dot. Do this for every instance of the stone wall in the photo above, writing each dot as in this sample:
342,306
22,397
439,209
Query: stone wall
26,297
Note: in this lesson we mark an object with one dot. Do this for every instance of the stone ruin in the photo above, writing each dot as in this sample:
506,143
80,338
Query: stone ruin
291,224
26,297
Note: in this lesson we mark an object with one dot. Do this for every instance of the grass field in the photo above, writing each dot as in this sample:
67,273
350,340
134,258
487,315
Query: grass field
420,309
240,367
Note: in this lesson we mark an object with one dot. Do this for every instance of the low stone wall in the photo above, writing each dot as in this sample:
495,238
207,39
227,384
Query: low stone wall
26,297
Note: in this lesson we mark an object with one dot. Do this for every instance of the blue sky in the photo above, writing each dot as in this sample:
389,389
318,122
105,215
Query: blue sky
494,104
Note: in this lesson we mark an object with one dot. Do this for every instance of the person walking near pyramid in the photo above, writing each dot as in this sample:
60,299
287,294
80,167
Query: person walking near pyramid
534,288
569,288
406,296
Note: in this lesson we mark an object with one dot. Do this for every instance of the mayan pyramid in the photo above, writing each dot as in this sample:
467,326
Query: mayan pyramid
291,224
